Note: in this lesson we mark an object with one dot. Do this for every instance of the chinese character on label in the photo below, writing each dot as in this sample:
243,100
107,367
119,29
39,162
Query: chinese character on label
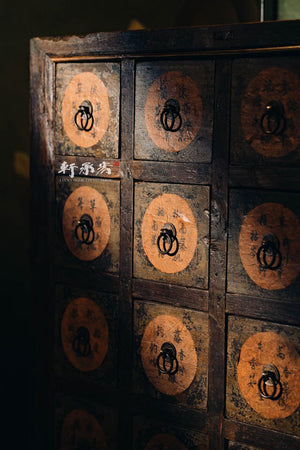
104,167
65,167
86,168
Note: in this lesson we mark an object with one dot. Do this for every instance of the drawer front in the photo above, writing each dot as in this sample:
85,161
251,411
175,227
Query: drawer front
238,446
171,353
265,125
171,235
86,336
82,424
87,109
263,374
174,111
152,435
264,244
88,223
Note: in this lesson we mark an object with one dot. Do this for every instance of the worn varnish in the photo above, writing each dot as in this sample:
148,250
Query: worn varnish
100,200
95,133
186,208
180,130
165,238
252,345
187,331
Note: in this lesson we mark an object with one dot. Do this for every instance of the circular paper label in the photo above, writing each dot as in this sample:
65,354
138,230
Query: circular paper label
168,329
81,430
86,223
172,213
84,334
85,109
173,111
272,85
269,246
263,349
164,441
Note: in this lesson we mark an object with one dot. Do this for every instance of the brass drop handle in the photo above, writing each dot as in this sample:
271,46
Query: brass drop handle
268,254
166,361
84,231
270,378
81,342
84,119
167,240
273,121
170,117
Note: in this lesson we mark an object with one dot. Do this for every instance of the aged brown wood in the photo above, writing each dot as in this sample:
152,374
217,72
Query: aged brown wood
221,61
284,342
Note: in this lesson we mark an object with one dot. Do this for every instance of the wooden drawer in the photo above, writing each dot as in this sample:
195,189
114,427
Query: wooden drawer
174,110
88,223
264,244
255,392
180,257
87,109
86,336
171,353
265,125
238,446
84,424
152,435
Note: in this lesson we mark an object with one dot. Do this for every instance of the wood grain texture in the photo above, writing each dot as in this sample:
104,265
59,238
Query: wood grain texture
192,87
255,83
195,396
194,273
239,330
99,84
109,191
100,367
243,202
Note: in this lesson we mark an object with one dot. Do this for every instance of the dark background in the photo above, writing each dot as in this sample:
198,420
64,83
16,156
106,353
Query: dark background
18,23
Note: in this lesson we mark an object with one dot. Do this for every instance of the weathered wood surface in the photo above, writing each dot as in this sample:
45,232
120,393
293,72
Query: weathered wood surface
84,423
99,84
98,313
187,208
109,191
190,85
238,446
256,82
237,407
193,395
245,274
151,434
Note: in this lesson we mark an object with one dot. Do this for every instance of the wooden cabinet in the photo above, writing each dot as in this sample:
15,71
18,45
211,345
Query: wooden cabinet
166,239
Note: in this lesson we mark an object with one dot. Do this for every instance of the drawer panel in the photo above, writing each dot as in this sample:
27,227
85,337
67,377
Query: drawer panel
82,424
266,111
171,353
238,446
152,435
87,109
171,233
263,374
88,223
86,342
174,110
264,244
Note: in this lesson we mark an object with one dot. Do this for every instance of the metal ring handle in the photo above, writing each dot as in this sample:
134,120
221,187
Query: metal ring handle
171,115
85,224
81,342
269,376
273,120
166,239
167,355
269,247
84,119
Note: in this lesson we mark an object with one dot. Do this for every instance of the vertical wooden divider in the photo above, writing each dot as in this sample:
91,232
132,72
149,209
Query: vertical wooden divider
218,252
126,245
